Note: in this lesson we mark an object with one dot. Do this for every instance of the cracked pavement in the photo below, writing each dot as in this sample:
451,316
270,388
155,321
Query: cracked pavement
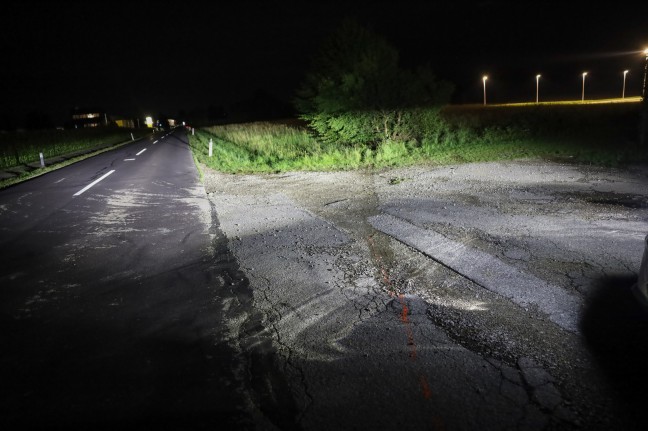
461,297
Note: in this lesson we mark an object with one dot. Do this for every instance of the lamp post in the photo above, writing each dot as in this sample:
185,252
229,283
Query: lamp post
583,93
625,72
484,78
644,111
643,91
537,86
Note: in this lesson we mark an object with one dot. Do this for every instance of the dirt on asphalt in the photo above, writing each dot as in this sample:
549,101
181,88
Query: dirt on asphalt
575,229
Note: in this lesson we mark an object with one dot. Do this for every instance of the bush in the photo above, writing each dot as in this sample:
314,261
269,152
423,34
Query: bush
356,93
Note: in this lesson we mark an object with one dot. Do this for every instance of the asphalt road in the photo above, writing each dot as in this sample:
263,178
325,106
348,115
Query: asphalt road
114,296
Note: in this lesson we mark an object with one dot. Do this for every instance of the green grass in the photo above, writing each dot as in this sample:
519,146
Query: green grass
269,147
600,134
19,148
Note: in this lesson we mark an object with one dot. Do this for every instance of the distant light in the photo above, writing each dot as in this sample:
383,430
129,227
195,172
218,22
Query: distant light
149,121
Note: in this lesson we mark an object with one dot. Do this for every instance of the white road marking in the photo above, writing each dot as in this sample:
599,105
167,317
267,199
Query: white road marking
56,182
128,160
155,142
93,183
140,152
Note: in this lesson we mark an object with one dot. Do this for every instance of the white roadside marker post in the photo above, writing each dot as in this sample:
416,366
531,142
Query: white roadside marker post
132,137
211,144
42,160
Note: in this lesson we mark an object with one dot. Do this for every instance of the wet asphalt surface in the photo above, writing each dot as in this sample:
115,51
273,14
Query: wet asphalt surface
314,301
112,301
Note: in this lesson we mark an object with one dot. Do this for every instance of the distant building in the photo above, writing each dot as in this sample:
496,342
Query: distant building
88,117
96,117
123,122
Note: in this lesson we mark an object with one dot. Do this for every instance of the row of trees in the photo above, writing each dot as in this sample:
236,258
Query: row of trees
357,94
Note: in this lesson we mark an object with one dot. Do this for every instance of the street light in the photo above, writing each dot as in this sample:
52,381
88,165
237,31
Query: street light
537,86
583,95
625,72
484,79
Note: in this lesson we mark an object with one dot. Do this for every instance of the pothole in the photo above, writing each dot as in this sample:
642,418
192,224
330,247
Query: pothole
613,199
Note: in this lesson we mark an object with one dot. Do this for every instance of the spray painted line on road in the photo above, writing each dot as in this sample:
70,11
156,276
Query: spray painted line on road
93,183
423,380
487,271
140,152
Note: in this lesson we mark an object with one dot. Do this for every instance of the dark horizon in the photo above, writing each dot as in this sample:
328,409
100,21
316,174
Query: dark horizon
150,59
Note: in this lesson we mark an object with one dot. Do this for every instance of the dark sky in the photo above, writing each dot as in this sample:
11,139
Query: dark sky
147,58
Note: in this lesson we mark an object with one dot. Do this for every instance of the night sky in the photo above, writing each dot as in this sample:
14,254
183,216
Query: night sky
161,57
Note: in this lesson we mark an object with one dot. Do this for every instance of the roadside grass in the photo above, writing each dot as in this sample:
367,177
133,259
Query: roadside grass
268,147
94,147
20,148
602,134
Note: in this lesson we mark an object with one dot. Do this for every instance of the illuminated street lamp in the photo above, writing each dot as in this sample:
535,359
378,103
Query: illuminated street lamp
625,72
484,79
537,86
583,94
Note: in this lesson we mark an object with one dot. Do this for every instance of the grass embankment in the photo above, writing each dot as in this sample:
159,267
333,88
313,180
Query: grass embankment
19,148
604,134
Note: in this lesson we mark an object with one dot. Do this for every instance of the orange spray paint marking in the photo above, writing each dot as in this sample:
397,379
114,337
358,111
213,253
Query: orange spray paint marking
404,316
404,312
427,393
408,327
425,387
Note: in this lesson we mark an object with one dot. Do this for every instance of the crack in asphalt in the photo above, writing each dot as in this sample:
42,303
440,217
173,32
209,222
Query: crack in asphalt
271,317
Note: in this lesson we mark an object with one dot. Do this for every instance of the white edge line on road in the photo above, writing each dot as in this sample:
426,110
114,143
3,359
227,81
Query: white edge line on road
93,183
155,142
128,160
140,152
56,182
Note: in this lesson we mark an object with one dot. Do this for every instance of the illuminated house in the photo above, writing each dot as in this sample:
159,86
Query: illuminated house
95,117
88,117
